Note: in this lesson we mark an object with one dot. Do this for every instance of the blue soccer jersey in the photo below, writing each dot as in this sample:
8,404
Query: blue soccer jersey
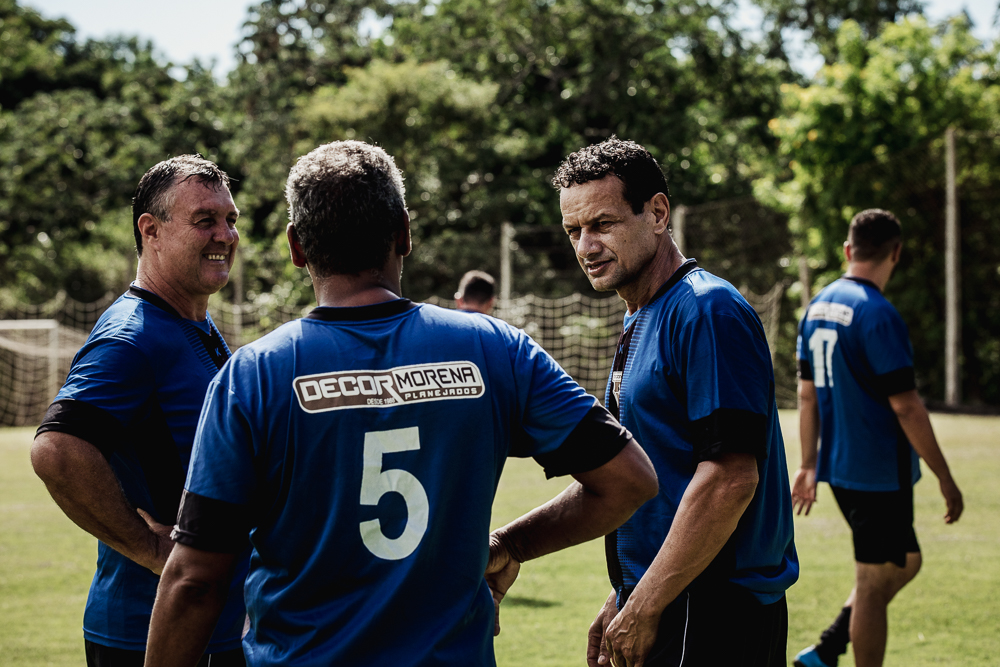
362,448
135,391
697,382
856,349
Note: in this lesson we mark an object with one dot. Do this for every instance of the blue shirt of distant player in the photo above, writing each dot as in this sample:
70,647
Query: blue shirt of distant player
855,348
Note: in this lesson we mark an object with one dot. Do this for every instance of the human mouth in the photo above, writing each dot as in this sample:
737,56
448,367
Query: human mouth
215,257
593,268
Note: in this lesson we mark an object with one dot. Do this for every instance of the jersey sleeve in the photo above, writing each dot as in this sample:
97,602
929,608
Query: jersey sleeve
888,348
728,382
109,384
215,512
559,423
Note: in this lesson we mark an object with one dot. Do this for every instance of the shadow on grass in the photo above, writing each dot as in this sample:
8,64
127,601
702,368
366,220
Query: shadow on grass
531,603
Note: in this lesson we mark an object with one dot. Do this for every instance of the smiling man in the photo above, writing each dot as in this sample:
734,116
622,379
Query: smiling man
114,447
699,572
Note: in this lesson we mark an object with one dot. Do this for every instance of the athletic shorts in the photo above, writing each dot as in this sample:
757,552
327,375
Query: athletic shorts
99,655
882,524
721,625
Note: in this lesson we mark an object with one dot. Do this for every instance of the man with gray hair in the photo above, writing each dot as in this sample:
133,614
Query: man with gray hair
361,447
114,446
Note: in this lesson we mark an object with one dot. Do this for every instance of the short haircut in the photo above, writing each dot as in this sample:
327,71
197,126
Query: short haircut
873,235
346,203
153,194
631,163
476,287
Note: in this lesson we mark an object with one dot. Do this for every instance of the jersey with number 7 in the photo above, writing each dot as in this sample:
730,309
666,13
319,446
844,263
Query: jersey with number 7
362,449
854,347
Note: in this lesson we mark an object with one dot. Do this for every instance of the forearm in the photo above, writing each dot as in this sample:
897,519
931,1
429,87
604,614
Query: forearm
916,425
808,423
707,515
85,488
595,504
573,517
186,610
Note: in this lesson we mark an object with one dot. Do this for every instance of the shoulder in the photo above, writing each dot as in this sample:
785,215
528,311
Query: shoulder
702,294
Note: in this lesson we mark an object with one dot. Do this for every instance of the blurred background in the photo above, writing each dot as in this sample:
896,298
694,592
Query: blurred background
775,121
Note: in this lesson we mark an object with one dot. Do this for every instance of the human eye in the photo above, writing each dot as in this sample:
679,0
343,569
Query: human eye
572,232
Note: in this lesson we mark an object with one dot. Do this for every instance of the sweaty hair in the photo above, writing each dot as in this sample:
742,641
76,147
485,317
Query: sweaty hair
153,194
631,163
476,287
345,201
874,234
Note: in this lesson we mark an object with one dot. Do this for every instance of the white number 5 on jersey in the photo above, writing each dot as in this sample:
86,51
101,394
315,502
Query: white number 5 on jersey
821,344
376,482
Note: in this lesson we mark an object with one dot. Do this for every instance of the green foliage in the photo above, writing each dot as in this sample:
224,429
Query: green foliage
869,133
820,20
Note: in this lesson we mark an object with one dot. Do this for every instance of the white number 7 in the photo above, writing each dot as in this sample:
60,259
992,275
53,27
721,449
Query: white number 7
376,482
821,343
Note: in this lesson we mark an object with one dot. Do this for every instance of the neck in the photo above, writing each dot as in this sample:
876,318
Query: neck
875,272
639,292
351,290
188,306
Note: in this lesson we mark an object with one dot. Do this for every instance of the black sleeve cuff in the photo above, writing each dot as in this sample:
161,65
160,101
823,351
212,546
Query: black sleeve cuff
84,421
597,439
896,382
730,431
211,525
805,370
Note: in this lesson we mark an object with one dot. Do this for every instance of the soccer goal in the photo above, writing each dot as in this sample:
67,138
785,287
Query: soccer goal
35,356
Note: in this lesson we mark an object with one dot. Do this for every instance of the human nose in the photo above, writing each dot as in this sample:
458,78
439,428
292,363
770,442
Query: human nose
588,244
226,233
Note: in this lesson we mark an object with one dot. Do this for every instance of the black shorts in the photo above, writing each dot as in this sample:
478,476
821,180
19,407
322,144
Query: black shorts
99,655
882,524
721,625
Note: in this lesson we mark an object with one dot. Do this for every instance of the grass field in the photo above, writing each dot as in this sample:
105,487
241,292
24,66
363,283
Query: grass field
949,615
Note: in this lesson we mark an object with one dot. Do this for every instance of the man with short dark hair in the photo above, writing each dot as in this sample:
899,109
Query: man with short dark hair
476,293
699,573
858,396
361,447
113,448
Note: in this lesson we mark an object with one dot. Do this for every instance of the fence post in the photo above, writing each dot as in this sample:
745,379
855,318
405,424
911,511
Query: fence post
506,241
952,279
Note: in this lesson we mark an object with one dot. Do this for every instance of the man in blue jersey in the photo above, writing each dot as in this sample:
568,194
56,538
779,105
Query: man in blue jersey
113,448
699,573
361,446
857,395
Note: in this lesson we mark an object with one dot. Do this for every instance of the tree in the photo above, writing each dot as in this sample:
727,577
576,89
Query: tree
868,133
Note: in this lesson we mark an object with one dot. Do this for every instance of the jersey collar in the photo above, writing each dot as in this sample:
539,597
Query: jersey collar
154,299
360,313
687,267
863,281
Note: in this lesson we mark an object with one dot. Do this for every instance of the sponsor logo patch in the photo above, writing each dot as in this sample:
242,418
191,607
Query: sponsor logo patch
831,312
388,388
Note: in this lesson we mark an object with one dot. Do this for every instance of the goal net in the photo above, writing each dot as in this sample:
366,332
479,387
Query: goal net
35,357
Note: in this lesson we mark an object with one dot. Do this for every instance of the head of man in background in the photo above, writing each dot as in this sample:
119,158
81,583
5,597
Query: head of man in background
113,447
184,222
476,292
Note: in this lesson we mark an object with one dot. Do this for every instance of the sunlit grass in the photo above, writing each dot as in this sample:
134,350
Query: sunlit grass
949,615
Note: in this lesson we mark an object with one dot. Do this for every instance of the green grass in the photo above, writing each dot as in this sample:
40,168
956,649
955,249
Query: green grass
949,615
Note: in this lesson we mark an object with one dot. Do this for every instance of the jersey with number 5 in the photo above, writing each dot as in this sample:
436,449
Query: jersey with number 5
361,447
855,348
